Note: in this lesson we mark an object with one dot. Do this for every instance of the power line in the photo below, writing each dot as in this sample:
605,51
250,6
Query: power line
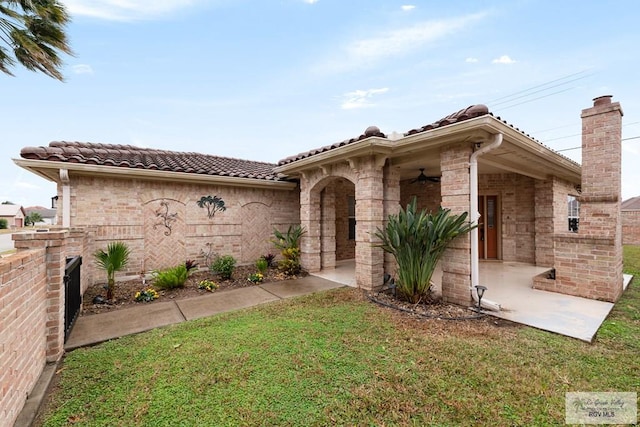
535,99
542,90
577,148
537,86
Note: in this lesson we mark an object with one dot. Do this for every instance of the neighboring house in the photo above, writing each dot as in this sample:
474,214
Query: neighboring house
631,221
49,216
14,214
472,162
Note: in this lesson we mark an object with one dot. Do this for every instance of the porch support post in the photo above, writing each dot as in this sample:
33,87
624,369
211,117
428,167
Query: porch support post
328,246
455,190
545,214
369,217
391,207
310,215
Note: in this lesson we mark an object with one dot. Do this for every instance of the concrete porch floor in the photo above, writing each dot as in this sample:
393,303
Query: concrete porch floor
509,284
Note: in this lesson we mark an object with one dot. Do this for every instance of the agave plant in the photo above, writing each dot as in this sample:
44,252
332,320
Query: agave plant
113,260
417,241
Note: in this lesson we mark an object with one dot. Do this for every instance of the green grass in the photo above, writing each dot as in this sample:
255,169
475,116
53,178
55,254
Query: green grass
335,359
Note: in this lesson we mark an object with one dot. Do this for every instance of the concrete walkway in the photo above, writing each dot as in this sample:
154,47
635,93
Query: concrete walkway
97,328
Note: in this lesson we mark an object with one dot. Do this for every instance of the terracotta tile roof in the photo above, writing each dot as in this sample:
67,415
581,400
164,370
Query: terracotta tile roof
632,204
128,156
370,131
459,116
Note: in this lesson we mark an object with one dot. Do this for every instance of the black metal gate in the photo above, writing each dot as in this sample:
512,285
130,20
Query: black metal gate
72,297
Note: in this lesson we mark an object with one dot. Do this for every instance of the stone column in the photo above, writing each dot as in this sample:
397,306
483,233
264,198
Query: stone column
391,207
310,216
328,243
455,191
369,217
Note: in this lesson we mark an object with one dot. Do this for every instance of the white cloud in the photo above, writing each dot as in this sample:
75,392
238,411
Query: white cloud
404,40
311,1
407,7
471,60
504,59
26,185
360,98
126,10
82,69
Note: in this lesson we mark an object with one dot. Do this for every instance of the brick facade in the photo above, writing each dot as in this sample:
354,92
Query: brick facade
133,211
631,227
589,263
32,312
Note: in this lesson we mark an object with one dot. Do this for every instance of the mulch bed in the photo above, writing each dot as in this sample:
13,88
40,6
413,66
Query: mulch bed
124,295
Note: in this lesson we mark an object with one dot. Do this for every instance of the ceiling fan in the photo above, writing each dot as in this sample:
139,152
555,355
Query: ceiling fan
422,178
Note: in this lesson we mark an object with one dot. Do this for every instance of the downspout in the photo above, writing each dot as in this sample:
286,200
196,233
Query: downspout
66,198
475,215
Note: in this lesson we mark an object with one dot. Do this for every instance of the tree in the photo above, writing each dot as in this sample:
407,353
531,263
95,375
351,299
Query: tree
113,260
4,224
417,241
32,218
34,31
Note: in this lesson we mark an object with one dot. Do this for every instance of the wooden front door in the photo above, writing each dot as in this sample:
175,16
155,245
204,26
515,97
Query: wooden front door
488,227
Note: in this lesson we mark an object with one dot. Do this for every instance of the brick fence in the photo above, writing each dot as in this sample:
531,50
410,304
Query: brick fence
31,313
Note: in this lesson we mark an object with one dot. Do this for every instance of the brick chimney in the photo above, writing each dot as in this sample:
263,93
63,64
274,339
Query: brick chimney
601,169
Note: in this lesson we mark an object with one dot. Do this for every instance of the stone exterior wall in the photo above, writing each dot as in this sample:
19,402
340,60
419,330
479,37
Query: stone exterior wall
163,225
631,227
427,195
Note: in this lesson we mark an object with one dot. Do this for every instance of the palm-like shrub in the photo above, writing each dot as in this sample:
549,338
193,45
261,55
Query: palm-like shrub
170,278
288,244
113,260
417,241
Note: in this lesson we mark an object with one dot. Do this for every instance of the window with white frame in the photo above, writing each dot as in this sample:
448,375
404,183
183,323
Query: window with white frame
574,213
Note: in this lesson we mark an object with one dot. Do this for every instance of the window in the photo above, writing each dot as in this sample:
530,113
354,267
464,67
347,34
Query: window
574,213
351,202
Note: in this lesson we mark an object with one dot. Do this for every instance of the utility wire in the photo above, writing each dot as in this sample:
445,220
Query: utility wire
541,90
537,86
577,148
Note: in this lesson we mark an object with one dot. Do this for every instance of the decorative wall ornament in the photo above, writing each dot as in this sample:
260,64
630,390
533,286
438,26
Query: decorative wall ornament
166,219
208,254
213,204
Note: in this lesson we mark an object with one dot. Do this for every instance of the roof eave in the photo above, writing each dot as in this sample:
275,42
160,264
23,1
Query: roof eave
49,170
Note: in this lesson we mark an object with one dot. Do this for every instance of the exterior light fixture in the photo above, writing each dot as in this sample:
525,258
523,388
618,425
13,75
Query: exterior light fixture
480,291
54,202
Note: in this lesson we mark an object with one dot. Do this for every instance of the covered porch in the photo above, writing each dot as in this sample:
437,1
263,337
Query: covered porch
510,285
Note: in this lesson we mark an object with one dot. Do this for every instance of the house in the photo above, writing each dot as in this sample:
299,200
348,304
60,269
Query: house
14,214
49,216
631,221
522,193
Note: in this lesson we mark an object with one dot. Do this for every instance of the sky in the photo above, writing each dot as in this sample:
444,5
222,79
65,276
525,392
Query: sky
266,79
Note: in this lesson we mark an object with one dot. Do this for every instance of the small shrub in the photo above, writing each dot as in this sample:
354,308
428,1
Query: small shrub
4,224
256,278
208,285
270,258
146,295
224,266
288,243
170,278
262,265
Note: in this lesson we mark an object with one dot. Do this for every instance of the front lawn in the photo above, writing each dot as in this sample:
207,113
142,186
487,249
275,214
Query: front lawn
334,358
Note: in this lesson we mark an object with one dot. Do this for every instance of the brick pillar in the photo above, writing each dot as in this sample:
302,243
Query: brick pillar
328,243
369,217
455,191
391,207
310,216
544,222
55,245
